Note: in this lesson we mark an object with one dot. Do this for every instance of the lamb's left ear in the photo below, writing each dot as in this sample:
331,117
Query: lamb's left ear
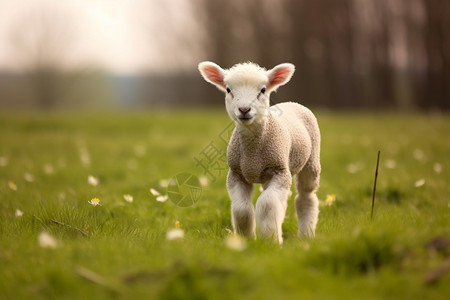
279,75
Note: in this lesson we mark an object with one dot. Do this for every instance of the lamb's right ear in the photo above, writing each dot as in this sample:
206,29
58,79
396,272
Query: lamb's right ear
213,73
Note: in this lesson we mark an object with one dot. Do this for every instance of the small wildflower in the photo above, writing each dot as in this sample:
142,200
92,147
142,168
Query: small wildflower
94,202
48,169
85,158
159,197
154,192
390,164
175,234
204,181
418,154
437,167
45,240
18,213
140,150
235,242
419,183
3,161
93,180
330,199
28,177
164,183
162,198
177,224
12,185
353,168
128,198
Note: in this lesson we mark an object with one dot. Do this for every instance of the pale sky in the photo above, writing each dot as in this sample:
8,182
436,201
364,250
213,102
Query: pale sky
125,36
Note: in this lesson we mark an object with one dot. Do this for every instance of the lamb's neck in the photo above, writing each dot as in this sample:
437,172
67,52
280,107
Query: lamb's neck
252,135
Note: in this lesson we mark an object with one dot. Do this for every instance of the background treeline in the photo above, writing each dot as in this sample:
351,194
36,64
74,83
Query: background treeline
348,53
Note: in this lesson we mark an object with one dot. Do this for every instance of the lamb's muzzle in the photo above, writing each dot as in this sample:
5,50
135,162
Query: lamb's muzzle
268,148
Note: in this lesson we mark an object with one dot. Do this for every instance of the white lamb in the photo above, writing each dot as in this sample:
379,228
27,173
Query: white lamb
269,145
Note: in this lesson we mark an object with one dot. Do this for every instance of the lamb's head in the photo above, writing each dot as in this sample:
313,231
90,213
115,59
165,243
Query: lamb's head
247,87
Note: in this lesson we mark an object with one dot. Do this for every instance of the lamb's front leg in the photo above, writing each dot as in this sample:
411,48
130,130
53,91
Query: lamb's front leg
242,211
271,206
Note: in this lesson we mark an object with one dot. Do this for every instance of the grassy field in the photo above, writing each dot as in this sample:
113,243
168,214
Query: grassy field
121,249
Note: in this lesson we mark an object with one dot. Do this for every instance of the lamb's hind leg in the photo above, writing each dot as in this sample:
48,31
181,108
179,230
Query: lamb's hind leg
242,210
271,206
306,202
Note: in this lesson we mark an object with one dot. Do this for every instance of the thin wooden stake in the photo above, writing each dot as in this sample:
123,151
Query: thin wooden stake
375,184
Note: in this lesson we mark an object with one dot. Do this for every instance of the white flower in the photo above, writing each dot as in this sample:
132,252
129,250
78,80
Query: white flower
48,169
140,150
419,183
18,213
94,202
85,157
162,198
174,234
12,185
93,180
154,192
159,197
164,183
330,199
3,161
235,242
45,240
390,164
28,177
437,167
354,168
128,198
418,154
204,181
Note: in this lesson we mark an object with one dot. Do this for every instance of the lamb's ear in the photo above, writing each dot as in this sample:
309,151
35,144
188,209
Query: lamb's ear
279,75
213,73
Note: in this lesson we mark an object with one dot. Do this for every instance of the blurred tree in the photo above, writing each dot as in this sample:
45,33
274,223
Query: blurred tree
437,35
43,41
348,53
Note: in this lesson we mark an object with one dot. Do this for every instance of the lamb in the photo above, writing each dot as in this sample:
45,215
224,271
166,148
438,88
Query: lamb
269,145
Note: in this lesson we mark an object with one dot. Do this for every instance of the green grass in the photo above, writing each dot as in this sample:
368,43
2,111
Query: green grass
352,256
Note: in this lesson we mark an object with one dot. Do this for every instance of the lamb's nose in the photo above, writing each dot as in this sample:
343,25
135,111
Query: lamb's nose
244,110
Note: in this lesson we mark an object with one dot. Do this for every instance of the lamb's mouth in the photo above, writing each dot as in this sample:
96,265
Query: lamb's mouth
245,118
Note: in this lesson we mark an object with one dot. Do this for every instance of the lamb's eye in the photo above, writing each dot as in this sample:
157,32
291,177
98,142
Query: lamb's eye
228,90
263,90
